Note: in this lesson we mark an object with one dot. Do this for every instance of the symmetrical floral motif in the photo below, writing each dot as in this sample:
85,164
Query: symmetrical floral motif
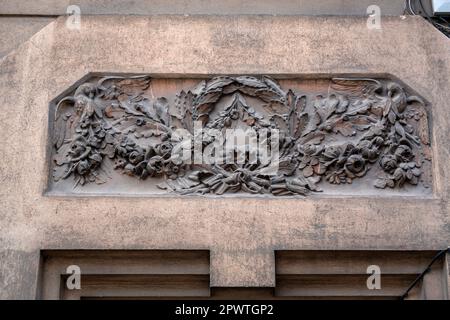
335,137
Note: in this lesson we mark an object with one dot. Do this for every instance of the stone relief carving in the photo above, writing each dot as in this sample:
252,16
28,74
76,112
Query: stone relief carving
335,137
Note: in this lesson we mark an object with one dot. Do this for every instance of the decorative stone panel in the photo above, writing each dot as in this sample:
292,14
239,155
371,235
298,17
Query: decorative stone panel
131,134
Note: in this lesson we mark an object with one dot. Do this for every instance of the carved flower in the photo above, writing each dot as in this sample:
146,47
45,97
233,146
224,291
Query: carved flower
85,122
119,164
404,153
164,149
77,149
155,165
404,172
344,163
136,156
140,170
96,158
125,147
140,122
94,141
332,152
130,151
370,150
129,169
407,172
173,170
355,166
388,163
100,134
370,154
83,167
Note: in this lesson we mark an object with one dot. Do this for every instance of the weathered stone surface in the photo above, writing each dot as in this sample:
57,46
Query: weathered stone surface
241,233
16,30
148,7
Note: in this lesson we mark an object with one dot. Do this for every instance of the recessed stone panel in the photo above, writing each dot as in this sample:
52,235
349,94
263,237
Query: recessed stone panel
239,135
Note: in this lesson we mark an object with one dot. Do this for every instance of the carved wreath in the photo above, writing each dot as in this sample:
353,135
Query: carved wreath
337,137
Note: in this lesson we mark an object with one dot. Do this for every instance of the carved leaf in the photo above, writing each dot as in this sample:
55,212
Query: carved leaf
274,86
184,105
423,129
60,157
345,128
313,138
65,117
312,123
161,106
301,125
203,102
60,172
280,122
362,123
250,82
399,129
323,108
380,183
218,83
298,120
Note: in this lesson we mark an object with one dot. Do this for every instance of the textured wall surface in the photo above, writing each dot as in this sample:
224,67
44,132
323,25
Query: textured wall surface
241,233
16,30
147,7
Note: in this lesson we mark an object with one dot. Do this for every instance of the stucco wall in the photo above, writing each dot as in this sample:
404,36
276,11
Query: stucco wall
241,233
148,7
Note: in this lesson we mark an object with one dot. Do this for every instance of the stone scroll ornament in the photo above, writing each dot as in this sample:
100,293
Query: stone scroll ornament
332,138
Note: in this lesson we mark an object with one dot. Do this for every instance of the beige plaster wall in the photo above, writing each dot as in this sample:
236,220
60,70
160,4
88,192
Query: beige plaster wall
148,7
16,30
241,233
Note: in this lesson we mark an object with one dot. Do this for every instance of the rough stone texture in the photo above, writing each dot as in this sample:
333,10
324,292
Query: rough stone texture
241,233
16,30
148,7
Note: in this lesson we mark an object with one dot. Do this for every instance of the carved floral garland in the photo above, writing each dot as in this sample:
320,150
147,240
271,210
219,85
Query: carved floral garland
368,120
